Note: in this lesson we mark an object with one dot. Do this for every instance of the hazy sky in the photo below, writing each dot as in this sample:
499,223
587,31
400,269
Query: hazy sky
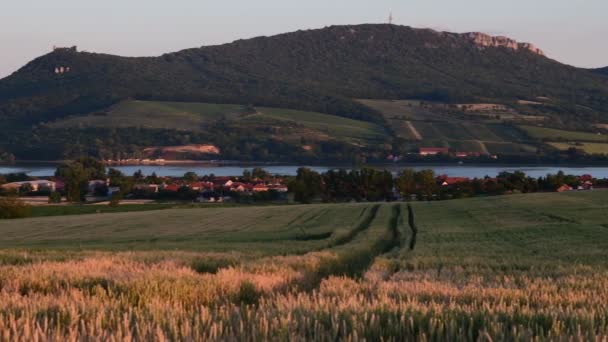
571,31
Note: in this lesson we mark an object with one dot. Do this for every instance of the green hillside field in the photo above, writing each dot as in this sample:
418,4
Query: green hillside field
589,148
153,114
194,116
435,124
552,134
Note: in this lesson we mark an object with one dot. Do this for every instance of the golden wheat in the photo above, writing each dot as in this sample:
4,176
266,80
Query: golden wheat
134,296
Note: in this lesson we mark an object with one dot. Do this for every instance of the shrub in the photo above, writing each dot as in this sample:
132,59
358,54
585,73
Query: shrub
248,294
54,197
12,208
115,200
210,265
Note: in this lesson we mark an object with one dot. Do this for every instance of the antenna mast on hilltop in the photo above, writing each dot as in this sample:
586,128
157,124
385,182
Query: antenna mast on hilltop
390,18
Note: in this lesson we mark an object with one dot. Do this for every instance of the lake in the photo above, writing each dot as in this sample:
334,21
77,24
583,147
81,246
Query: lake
42,170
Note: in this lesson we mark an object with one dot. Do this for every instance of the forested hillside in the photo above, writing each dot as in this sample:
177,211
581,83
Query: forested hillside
321,71
603,71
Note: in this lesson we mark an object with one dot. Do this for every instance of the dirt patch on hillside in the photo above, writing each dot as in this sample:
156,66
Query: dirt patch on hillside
190,149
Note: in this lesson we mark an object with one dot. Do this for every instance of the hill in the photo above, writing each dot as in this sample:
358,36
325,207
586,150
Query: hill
603,71
320,71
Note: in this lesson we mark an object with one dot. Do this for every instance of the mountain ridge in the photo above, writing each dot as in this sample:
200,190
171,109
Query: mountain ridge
603,71
392,61
322,70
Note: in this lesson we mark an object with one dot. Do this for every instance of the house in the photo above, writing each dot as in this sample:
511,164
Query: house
240,187
445,180
587,185
113,190
37,185
433,151
171,187
260,188
279,188
97,183
564,188
467,154
147,187
200,186
585,178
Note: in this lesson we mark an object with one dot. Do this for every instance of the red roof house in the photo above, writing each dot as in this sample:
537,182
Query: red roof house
433,151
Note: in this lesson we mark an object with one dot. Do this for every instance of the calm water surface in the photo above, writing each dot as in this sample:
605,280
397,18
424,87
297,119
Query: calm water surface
41,170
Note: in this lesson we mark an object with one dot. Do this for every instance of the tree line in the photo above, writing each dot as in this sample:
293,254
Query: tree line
370,184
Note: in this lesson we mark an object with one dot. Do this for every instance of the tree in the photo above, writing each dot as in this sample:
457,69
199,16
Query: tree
54,197
190,176
246,175
25,189
259,173
306,186
115,176
138,175
12,207
76,175
426,180
406,182
115,199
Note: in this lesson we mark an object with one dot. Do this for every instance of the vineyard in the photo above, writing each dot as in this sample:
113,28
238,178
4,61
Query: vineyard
518,267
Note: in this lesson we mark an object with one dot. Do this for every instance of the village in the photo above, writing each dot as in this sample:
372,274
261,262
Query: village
206,189
260,186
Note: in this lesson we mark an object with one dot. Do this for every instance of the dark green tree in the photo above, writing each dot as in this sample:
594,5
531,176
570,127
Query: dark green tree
190,176
306,186
77,174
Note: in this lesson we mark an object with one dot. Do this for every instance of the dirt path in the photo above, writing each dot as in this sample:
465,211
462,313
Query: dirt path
483,147
413,131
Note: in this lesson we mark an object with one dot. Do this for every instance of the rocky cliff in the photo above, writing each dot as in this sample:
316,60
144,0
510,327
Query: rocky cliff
483,40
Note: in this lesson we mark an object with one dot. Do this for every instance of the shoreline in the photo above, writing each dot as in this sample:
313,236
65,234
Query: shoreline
221,163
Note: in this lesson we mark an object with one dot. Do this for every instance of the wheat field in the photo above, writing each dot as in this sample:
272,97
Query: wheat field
528,267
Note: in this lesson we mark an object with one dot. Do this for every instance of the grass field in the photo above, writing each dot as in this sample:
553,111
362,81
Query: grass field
326,124
438,128
150,114
589,148
519,267
192,116
256,229
557,134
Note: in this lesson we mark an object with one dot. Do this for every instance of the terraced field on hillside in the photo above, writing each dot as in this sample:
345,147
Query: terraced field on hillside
437,125
552,134
151,114
589,148
196,117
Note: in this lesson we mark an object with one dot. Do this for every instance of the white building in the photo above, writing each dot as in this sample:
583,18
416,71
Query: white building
37,185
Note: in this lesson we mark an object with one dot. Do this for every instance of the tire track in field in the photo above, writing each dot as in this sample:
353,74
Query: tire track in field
362,226
354,262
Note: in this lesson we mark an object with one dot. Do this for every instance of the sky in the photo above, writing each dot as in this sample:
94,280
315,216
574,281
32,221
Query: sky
570,31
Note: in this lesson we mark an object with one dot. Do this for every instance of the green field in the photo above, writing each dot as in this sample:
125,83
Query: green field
496,227
192,116
323,123
589,148
403,109
514,231
518,267
552,134
276,229
151,114
439,128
